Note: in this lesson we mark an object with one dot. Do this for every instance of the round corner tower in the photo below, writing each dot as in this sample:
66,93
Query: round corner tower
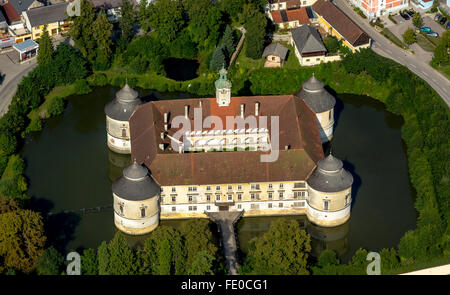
329,193
136,201
118,113
322,103
223,88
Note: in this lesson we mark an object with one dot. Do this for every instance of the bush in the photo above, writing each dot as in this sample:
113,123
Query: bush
98,79
56,106
82,87
409,36
8,143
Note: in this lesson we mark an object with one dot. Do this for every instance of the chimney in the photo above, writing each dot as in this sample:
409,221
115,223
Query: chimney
200,103
242,110
165,118
257,109
162,135
165,127
186,111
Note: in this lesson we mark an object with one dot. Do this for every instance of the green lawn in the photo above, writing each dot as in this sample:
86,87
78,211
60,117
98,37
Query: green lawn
388,34
42,111
426,44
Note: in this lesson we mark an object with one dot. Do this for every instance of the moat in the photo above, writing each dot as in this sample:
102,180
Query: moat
79,170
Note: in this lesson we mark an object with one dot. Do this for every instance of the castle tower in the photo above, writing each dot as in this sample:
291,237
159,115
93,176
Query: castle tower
118,112
136,201
322,103
329,193
223,88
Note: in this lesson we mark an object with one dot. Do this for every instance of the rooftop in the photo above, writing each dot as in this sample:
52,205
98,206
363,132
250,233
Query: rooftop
47,14
10,13
299,142
26,45
275,49
282,16
307,39
341,22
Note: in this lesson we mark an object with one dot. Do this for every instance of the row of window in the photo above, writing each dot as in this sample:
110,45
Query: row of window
253,196
254,186
252,206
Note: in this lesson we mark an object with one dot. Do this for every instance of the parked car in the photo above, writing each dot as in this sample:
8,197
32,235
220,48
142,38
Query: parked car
410,12
404,15
443,20
425,29
433,34
437,17
448,26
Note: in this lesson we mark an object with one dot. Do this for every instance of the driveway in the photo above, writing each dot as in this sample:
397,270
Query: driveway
435,26
384,47
12,74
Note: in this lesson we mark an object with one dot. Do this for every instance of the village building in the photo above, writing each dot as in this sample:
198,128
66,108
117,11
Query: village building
308,45
273,5
288,19
11,14
338,24
52,16
26,49
376,8
208,169
275,55
111,8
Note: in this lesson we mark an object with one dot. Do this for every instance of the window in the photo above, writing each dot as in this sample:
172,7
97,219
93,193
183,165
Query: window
329,115
270,196
269,205
174,209
124,132
239,187
347,198
230,187
142,212
255,186
270,186
273,58
326,205
208,197
239,197
230,197
174,189
299,204
239,206
304,2
174,199
317,59
217,197
192,188
218,188
299,194
281,195
208,188
280,205
190,198
307,59
121,208
162,200
299,185
208,207
281,185
254,206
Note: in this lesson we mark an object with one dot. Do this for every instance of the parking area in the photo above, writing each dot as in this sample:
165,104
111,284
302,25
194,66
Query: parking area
428,21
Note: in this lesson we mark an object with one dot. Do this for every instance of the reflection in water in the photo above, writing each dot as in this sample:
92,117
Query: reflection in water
334,238
117,162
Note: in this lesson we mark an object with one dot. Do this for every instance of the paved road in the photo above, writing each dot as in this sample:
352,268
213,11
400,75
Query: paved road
9,86
384,47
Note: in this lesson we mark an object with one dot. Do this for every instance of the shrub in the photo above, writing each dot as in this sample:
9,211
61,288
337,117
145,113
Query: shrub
82,87
56,106
8,143
98,79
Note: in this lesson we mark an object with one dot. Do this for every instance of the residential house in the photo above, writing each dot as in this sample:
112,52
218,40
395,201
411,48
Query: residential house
3,23
308,45
336,23
275,55
111,7
12,17
24,5
54,16
375,8
423,4
273,5
289,19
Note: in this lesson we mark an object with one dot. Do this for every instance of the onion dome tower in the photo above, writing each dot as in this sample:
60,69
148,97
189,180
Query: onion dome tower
136,201
322,103
223,88
329,193
118,112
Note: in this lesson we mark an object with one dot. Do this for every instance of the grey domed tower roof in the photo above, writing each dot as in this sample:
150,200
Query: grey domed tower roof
136,184
123,105
330,176
315,96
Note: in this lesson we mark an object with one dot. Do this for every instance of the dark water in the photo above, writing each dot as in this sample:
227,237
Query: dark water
70,168
180,69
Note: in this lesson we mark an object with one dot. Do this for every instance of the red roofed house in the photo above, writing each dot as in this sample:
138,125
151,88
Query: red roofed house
289,19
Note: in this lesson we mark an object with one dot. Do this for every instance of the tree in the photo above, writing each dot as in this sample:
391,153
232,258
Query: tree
255,25
441,52
89,262
409,36
8,143
81,30
417,20
217,59
143,15
126,22
166,18
228,41
102,32
22,240
50,263
284,249
202,265
328,257
103,259
46,50
116,257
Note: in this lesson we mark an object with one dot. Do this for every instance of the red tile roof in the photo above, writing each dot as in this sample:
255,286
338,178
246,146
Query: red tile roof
341,22
299,15
10,12
298,129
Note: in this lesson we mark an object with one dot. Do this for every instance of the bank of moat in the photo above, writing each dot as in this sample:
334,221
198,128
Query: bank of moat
268,161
